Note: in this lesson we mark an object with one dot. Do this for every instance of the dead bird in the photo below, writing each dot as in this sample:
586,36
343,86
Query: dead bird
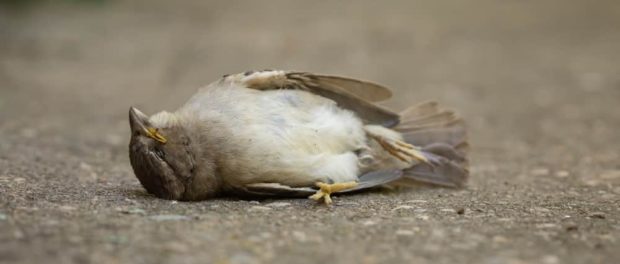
293,134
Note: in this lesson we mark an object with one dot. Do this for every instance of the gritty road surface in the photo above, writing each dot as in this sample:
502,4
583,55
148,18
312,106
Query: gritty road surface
537,81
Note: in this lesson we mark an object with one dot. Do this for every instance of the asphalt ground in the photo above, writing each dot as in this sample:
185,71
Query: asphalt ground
537,81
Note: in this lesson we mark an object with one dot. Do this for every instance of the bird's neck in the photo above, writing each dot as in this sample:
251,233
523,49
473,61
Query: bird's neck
207,182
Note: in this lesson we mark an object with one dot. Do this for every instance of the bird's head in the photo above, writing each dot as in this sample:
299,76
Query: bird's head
167,160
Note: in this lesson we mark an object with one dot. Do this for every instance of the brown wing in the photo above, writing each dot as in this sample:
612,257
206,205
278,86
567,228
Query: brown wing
368,91
354,95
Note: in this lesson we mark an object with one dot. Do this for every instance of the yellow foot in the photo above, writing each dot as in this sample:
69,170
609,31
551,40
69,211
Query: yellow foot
327,189
402,150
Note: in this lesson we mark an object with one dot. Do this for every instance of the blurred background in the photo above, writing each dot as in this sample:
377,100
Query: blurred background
537,81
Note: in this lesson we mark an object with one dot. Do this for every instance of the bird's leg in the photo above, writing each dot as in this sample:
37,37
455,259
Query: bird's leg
399,149
326,190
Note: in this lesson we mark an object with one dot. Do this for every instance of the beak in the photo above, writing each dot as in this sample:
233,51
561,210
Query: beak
137,120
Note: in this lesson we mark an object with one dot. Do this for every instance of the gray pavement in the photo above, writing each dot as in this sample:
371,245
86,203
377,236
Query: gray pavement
537,81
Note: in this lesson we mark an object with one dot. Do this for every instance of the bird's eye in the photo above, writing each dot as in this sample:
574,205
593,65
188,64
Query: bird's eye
159,153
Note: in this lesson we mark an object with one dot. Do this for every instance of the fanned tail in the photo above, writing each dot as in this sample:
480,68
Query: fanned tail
442,136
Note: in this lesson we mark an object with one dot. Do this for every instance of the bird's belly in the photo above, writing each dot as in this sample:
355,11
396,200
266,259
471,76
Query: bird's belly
306,124
297,138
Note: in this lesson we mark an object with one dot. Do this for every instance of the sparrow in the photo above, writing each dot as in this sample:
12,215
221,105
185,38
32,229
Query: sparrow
275,133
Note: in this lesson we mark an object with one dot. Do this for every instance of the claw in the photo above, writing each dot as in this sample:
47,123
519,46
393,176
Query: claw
415,153
326,190
402,150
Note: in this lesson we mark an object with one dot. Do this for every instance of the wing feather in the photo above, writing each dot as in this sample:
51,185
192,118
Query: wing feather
355,95
366,181
368,91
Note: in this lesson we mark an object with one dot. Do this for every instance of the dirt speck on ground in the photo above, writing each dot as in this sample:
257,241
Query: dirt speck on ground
537,81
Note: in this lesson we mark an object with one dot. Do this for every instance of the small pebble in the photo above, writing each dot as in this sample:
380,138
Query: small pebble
572,227
3,217
597,215
369,223
598,246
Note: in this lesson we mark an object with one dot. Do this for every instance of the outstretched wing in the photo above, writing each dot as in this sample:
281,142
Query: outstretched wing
351,94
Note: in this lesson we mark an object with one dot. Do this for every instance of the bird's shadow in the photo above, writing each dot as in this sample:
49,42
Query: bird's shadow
142,194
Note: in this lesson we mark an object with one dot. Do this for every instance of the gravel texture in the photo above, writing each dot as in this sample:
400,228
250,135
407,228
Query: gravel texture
537,81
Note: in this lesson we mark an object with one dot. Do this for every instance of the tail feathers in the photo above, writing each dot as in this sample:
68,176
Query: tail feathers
423,109
442,150
444,172
427,123
442,136
438,119
453,135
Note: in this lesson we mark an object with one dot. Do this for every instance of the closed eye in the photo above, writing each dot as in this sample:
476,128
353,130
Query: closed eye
159,153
